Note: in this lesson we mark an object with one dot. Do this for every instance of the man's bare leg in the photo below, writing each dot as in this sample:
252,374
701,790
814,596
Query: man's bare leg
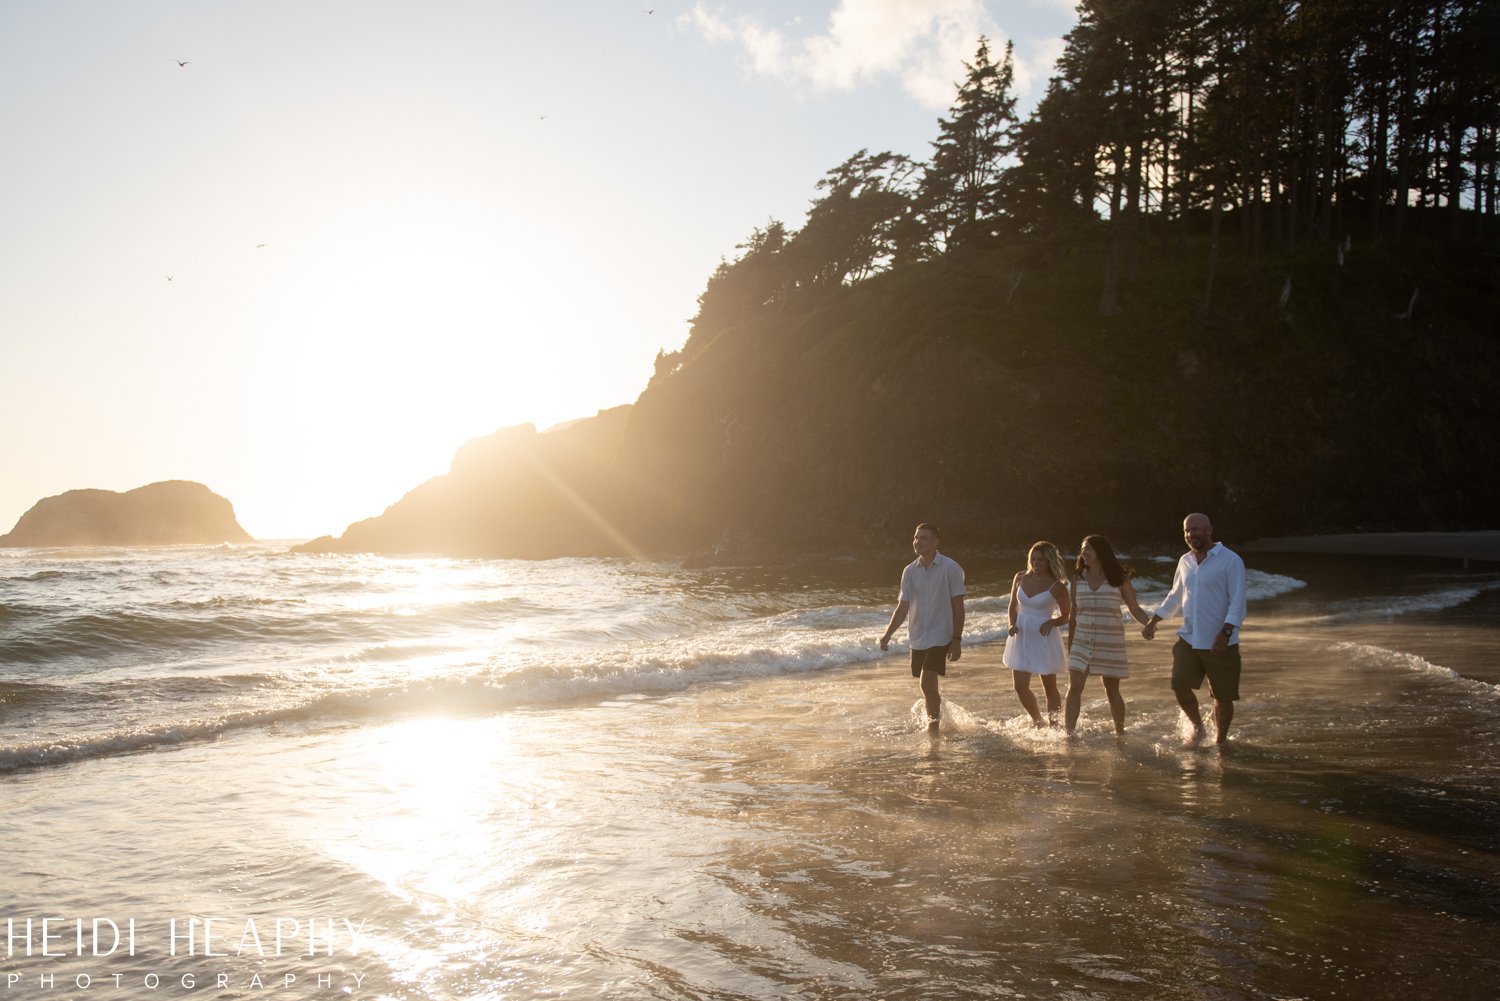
1223,716
1189,703
934,700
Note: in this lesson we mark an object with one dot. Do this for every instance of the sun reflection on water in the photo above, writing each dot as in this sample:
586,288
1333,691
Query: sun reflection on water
432,784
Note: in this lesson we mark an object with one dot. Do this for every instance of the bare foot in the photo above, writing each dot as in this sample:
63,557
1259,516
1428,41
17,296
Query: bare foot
1191,744
932,725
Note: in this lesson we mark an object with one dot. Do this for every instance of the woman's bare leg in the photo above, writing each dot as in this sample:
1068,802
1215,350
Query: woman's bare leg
1076,681
1116,703
1028,700
1054,700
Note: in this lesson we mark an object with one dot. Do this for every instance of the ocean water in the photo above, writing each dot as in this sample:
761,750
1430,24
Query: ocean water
240,772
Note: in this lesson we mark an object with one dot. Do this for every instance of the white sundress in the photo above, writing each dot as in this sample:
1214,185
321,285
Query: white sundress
1028,649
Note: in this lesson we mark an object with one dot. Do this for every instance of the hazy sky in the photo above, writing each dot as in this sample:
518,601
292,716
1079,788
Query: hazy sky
349,235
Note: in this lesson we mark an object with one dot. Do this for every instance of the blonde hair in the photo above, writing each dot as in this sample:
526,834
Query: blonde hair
1051,555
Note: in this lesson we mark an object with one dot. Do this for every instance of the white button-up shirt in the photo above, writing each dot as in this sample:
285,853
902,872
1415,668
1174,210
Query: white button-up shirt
930,592
1210,594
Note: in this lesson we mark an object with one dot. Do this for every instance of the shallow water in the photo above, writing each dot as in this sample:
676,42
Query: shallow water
721,792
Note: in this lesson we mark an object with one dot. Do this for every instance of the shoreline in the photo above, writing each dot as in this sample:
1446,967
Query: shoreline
1482,546
1475,546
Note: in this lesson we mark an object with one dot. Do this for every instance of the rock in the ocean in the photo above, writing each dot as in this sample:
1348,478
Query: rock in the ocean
171,513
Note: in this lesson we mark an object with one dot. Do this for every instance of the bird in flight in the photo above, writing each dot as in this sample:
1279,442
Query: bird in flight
169,277
183,62
259,245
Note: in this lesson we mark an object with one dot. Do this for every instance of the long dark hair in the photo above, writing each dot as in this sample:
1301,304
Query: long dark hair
1114,571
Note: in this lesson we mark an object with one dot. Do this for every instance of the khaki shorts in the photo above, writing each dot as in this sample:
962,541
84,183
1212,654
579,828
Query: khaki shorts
1190,666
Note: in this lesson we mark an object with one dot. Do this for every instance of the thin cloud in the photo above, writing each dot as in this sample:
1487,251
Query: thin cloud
1039,63
923,45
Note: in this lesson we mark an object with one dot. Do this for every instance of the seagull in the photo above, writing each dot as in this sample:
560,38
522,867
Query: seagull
169,277
259,245
183,62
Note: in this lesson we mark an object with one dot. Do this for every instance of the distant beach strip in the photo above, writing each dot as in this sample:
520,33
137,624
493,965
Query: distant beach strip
1482,547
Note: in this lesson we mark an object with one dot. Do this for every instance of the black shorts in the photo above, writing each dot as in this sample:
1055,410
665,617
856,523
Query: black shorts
934,659
1190,666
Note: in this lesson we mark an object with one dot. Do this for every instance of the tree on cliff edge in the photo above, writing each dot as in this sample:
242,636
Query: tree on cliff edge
855,229
962,182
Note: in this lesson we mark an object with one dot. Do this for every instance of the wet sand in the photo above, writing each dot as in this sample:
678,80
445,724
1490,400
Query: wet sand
1333,850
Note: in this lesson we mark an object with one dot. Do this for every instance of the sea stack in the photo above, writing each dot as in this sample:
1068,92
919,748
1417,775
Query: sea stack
170,513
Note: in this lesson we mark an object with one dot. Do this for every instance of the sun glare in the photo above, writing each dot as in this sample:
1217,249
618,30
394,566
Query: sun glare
432,825
398,349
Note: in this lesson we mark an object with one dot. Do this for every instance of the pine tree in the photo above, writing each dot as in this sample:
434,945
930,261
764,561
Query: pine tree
962,183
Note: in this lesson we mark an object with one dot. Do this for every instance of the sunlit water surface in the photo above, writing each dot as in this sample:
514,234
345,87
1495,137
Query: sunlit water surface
593,779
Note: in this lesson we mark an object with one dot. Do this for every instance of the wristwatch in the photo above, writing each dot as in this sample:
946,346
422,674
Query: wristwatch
1227,631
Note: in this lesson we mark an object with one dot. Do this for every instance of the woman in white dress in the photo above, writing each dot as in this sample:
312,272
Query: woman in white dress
1038,606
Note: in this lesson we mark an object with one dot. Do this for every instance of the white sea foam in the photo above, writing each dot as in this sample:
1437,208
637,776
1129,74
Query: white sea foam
64,750
1365,653
192,646
798,641
1259,586
1390,606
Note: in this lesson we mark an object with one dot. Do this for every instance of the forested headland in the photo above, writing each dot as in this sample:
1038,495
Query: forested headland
1243,257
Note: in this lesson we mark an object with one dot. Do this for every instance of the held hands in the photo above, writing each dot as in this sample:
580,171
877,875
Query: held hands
1148,631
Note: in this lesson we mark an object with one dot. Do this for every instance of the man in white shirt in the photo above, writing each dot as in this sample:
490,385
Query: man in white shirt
932,590
1209,588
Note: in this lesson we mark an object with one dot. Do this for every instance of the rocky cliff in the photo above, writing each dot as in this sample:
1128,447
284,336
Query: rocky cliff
514,493
173,512
834,419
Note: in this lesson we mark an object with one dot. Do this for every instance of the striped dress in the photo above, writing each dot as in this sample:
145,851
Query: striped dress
1099,632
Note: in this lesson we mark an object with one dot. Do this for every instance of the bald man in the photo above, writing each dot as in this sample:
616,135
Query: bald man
1209,589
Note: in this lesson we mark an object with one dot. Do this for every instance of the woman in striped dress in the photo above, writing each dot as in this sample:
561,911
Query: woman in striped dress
1096,634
